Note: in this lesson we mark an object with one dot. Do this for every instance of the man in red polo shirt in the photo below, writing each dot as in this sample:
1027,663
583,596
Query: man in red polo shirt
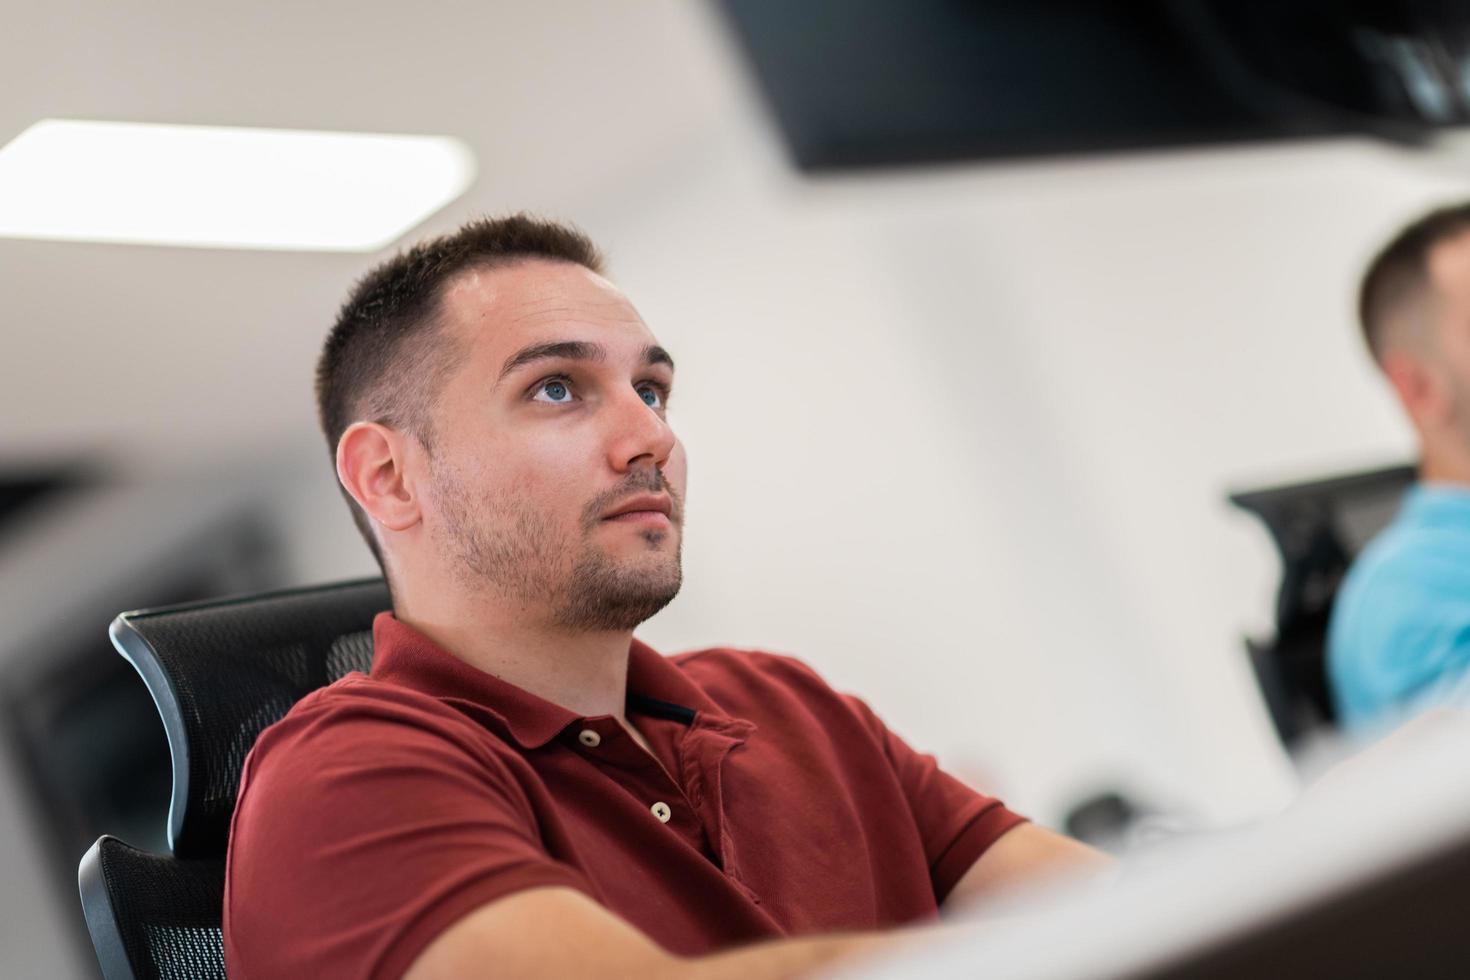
520,788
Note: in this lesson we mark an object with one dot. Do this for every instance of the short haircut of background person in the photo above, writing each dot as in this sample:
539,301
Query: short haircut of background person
1399,637
520,787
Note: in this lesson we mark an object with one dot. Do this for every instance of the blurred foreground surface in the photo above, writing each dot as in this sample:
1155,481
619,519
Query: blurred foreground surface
1365,876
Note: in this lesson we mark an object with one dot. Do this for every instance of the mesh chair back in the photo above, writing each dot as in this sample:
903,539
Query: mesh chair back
153,917
1319,528
222,671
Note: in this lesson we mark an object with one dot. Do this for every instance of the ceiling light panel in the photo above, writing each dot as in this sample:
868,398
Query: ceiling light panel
220,187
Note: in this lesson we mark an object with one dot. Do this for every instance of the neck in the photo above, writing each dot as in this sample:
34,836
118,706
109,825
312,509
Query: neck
1447,461
584,672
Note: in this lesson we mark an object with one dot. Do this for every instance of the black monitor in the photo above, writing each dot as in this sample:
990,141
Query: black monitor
861,83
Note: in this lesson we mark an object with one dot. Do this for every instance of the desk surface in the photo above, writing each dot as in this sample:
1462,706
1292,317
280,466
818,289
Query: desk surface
1367,875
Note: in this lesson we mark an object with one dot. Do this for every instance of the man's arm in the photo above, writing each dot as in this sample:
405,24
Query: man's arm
560,932
1027,855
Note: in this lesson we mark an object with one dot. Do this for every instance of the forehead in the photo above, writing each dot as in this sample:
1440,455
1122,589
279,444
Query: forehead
498,311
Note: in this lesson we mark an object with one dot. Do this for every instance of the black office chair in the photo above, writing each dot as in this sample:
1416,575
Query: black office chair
220,672
1319,527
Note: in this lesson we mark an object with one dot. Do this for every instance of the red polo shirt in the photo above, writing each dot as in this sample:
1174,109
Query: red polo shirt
383,808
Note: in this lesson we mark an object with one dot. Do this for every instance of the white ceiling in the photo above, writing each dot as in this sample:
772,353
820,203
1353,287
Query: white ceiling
578,108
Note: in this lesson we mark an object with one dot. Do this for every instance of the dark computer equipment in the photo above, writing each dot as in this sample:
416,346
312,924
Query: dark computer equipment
21,489
861,83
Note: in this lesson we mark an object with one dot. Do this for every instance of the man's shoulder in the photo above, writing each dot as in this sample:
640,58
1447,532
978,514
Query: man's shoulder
340,720
715,664
361,698
1400,619
1406,565
754,683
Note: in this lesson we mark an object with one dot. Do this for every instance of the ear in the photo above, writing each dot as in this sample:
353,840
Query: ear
1424,394
371,462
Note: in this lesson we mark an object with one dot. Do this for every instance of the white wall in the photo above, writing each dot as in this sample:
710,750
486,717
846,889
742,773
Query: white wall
962,440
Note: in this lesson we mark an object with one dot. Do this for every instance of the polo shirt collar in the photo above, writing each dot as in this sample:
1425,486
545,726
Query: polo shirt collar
403,655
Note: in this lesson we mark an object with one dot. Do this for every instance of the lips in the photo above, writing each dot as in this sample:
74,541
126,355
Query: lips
645,504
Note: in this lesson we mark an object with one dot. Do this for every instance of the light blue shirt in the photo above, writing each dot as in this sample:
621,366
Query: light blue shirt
1399,637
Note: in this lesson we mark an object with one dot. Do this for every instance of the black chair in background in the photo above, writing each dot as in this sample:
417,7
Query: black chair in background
220,672
1319,528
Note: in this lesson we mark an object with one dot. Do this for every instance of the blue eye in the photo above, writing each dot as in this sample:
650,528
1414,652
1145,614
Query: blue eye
651,396
555,391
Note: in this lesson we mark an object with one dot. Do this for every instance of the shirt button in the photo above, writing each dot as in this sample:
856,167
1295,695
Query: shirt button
589,738
662,811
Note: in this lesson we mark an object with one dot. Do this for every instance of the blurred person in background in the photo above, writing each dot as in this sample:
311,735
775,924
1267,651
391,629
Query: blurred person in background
1399,637
519,787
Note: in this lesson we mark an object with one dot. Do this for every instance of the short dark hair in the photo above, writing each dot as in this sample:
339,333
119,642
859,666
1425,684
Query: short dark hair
386,357
1401,269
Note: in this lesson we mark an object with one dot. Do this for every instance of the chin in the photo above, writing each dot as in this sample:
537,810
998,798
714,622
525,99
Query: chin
623,605
612,591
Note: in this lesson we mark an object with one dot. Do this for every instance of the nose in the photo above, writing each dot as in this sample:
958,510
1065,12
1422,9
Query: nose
638,435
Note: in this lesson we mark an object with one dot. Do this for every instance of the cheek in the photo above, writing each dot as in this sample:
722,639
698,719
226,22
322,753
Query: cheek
676,470
545,476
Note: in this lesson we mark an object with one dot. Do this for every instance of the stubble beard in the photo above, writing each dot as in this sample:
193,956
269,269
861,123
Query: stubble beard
504,544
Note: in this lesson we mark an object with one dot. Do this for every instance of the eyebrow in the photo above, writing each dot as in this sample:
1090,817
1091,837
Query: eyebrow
575,350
